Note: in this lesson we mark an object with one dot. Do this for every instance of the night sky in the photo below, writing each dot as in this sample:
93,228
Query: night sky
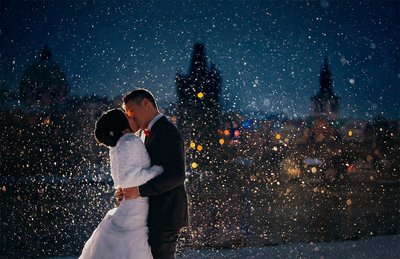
269,52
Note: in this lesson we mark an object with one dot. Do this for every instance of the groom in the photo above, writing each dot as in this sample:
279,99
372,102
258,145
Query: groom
168,211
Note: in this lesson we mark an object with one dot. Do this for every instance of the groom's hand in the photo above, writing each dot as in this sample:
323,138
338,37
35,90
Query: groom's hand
131,193
119,195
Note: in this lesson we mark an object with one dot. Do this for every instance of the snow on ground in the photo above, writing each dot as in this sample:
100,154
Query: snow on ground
377,247
382,247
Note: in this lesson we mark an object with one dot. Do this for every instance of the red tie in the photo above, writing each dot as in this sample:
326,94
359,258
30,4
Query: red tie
146,133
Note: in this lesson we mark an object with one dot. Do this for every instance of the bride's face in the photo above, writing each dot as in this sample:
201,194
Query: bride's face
132,123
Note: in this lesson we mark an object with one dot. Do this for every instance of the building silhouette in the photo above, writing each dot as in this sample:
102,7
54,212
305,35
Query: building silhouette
198,108
43,83
325,104
324,110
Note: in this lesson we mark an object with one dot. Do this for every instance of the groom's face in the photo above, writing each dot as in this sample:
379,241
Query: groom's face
137,112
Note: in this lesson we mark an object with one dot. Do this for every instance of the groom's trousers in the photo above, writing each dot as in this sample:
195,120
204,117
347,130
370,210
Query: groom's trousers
163,242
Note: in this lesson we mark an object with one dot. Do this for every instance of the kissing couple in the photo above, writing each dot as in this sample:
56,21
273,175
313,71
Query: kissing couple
149,180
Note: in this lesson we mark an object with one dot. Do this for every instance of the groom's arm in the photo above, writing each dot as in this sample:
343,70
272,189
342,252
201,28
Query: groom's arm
169,153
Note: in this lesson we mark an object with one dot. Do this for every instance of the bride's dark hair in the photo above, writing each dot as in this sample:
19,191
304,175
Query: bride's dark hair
109,127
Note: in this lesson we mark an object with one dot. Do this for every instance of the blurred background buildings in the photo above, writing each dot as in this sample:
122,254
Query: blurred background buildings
243,171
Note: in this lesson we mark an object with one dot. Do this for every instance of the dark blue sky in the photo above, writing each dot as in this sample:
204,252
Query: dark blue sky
269,52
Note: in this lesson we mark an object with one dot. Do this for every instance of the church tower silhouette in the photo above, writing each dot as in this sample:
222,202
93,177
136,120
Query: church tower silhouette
43,83
198,106
325,104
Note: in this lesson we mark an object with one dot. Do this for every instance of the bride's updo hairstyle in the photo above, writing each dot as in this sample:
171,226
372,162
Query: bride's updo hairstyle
110,126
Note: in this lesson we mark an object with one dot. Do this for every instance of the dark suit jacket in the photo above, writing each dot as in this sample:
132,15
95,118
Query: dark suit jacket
166,192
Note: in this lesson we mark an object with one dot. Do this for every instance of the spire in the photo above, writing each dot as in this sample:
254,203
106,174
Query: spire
325,79
45,53
325,103
214,73
198,62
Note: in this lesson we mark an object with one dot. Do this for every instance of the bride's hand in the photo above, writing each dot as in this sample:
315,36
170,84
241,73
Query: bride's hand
119,195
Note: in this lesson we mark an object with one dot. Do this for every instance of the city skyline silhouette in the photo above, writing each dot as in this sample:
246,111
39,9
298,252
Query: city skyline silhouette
269,53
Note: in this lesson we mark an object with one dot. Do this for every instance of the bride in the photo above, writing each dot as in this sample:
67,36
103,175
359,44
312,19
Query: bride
123,232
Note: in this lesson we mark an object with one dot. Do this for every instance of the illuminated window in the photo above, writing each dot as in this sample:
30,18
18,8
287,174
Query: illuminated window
200,95
194,165
192,145
278,136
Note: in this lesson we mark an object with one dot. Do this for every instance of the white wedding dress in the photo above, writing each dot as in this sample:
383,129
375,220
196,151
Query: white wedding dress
123,232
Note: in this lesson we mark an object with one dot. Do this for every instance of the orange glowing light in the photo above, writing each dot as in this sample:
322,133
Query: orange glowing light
199,147
237,133
278,136
313,170
174,118
370,158
226,132
350,133
351,168
294,171
221,141
46,121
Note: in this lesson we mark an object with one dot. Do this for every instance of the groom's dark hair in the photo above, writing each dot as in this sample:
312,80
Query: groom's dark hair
138,95
110,126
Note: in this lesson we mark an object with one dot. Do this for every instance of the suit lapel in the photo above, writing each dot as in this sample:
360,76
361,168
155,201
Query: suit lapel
154,130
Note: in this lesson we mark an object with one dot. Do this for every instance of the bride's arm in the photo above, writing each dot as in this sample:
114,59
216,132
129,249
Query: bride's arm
131,159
